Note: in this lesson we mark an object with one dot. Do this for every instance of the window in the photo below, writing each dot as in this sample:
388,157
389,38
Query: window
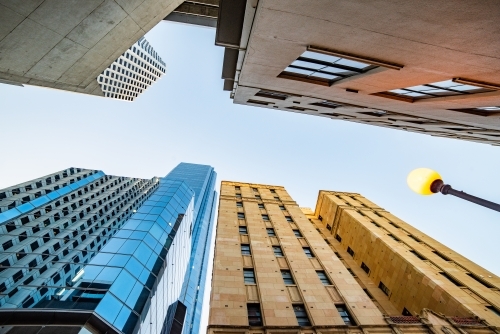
287,277
270,232
479,280
451,279
241,215
6,245
289,219
261,206
365,268
308,252
238,195
323,278
384,288
276,198
406,313
297,233
320,218
339,239
414,238
245,250
239,204
418,255
323,69
272,95
328,227
344,314
480,111
243,230
351,272
350,251
301,315
249,276
282,207
393,237
441,256
277,251
255,190
265,217
272,191
254,315
436,89
257,196
492,309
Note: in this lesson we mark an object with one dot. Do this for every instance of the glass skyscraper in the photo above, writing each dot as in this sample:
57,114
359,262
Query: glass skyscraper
201,179
85,252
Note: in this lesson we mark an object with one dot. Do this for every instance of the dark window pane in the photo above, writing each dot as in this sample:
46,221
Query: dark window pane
287,277
249,276
308,252
254,315
301,315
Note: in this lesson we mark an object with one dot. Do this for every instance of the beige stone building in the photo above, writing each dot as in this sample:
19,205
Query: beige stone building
348,267
421,66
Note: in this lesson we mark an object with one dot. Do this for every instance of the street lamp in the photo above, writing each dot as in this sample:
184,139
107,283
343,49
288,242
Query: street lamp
425,181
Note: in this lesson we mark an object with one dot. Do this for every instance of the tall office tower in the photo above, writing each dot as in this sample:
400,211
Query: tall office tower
276,272
133,72
84,251
201,179
406,67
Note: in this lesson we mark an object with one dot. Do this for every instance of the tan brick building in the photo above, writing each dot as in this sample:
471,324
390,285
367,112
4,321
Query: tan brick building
279,268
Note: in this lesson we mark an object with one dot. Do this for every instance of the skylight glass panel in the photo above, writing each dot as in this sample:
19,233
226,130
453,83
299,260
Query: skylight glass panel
437,89
319,56
325,69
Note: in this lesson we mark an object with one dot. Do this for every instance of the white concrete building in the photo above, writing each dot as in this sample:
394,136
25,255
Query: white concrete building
134,71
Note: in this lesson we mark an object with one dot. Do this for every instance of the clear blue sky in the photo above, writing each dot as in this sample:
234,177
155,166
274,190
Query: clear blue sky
187,117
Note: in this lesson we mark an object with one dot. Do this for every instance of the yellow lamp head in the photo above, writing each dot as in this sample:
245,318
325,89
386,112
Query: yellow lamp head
421,179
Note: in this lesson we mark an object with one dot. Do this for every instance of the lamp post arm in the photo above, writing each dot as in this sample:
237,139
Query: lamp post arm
448,190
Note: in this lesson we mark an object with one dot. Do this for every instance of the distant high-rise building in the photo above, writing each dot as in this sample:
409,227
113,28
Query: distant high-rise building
100,253
133,72
348,267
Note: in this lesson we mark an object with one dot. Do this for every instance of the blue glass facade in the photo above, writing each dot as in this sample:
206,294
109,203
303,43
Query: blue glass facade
110,254
201,179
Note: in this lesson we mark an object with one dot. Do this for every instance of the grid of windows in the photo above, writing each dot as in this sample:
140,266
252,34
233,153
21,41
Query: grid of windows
249,276
437,89
67,242
133,72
